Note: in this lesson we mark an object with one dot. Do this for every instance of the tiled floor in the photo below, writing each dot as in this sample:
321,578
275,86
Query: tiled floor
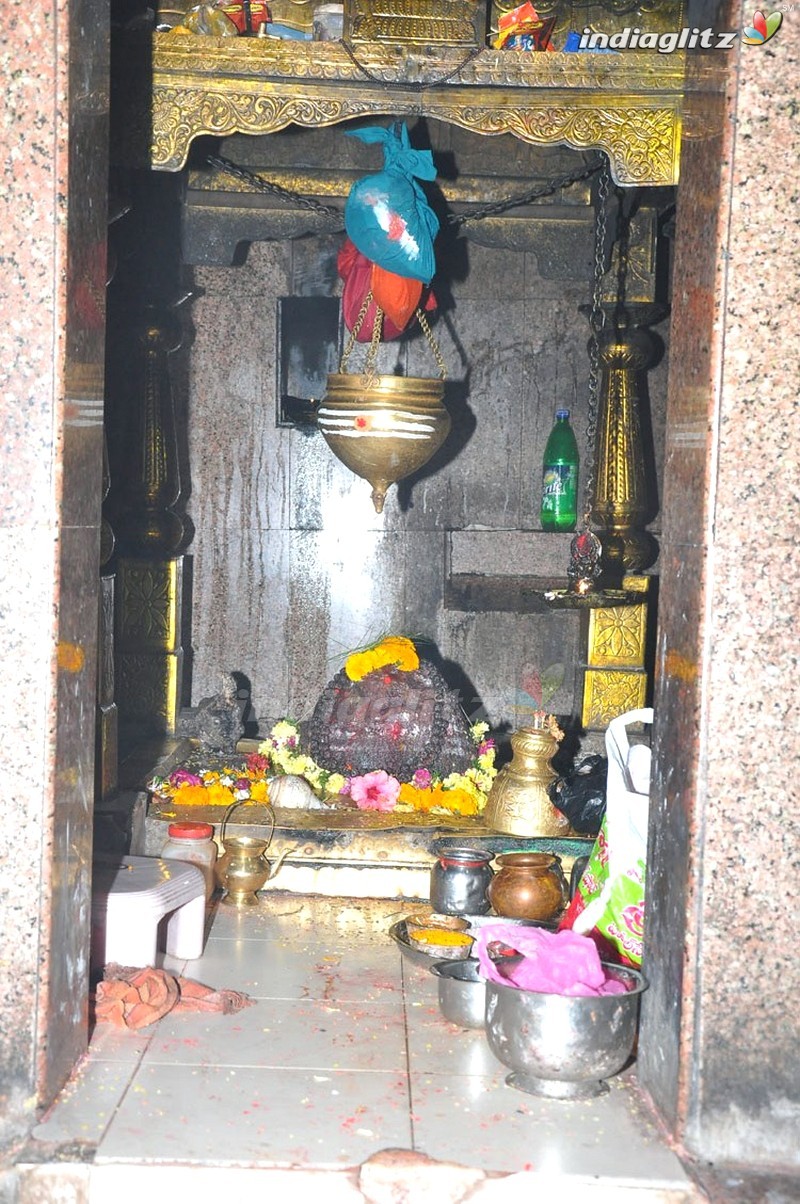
343,1054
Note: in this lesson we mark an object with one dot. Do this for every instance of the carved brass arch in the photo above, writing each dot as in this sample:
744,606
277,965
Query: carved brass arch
627,105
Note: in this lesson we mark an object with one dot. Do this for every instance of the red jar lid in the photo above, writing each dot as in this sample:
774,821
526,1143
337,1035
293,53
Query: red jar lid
190,831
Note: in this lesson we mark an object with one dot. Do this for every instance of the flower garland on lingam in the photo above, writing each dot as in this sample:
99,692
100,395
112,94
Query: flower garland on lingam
385,699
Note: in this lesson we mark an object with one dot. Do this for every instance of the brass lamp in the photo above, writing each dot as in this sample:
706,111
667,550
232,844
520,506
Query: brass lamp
383,428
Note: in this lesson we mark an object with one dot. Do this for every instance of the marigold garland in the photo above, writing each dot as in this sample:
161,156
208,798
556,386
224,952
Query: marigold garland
394,650
216,787
457,794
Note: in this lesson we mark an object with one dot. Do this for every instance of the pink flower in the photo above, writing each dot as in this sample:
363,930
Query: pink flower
375,791
182,777
633,918
257,763
485,746
422,779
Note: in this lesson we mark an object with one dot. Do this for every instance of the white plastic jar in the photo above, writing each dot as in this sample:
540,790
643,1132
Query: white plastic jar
193,842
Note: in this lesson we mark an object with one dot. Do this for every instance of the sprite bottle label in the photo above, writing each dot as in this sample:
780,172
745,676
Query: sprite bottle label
559,496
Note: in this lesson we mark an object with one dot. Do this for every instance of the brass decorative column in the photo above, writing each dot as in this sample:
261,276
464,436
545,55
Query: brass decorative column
622,495
615,676
150,574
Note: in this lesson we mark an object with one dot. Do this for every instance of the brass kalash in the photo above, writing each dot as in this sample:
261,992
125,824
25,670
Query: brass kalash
383,428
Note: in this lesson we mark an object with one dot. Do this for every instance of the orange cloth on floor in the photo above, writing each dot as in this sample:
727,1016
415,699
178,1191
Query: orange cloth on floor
130,997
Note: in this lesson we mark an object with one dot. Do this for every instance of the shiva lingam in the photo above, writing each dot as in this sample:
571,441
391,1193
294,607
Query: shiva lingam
243,868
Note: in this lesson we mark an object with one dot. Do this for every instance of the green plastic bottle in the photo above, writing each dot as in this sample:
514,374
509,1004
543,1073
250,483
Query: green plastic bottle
560,477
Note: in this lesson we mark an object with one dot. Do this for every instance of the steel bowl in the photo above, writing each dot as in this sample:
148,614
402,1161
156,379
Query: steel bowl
462,992
563,1046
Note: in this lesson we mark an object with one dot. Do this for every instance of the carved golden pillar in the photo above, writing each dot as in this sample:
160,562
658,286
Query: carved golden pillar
615,677
621,503
149,574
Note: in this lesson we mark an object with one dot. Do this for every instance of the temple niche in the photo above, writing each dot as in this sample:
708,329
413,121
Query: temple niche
291,568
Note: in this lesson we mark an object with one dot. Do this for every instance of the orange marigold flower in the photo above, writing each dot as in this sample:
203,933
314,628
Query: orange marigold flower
191,796
218,795
394,650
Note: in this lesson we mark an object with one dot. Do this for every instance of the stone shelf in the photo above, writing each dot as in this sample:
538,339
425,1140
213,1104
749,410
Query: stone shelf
628,105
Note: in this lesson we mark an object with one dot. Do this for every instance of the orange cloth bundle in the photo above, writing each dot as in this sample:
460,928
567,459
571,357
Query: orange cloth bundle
397,296
133,997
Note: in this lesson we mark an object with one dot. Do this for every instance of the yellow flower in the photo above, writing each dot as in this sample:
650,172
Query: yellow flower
462,802
219,796
418,800
284,730
334,783
394,650
191,796
259,792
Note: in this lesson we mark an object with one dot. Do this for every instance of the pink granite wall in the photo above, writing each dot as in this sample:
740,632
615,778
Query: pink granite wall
720,1034
52,301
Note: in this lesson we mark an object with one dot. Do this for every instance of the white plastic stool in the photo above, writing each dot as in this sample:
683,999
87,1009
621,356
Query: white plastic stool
130,897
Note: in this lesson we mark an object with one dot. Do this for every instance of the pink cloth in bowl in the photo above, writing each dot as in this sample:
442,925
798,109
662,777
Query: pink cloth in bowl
553,963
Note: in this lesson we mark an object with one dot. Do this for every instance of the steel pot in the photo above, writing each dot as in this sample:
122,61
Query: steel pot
462,992
563,1046
460,878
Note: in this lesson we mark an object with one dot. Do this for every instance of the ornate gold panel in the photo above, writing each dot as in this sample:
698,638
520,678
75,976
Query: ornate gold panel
148,689
149,603
617,636
608,693
629,107
451,22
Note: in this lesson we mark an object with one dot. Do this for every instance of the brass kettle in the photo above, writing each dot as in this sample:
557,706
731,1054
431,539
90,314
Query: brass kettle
243,869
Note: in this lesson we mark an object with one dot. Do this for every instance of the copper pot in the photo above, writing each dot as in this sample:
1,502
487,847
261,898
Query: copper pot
528,886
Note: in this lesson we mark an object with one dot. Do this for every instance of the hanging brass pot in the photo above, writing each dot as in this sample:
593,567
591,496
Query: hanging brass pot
383,428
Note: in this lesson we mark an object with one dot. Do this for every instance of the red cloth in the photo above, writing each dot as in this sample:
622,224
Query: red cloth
360,276
130,997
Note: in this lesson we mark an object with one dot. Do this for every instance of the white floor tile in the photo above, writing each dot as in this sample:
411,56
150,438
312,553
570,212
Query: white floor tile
224,1115
283,969
343,1052
336,922
126,1183
279,1032
483,1122
435,1046
107,1043
85,1107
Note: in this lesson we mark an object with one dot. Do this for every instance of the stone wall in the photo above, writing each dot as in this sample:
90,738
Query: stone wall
292,567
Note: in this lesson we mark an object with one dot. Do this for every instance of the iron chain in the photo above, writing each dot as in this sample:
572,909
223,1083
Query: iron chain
524,198
406,85
258,182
